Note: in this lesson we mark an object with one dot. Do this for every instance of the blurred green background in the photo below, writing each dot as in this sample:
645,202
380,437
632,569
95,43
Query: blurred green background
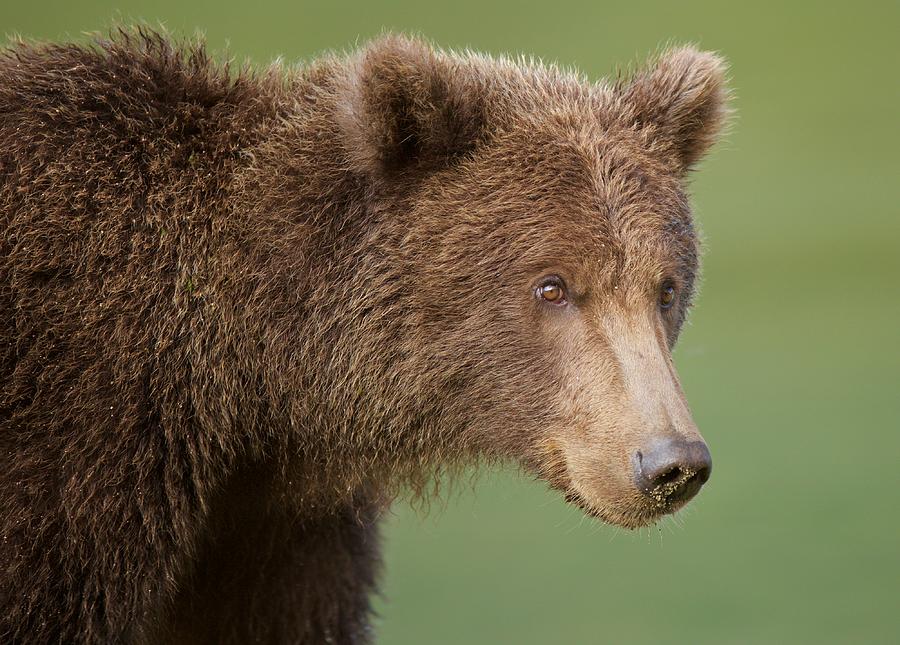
791,360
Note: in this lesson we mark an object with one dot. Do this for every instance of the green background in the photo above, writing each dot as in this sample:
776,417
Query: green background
791,360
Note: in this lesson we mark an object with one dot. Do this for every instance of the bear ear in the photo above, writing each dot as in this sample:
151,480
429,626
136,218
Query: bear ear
405,107
683,97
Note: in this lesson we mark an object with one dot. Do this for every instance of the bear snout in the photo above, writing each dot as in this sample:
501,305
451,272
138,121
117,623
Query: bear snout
672,471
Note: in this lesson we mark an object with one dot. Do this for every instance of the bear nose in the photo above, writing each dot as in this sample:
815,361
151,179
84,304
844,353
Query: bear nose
672,470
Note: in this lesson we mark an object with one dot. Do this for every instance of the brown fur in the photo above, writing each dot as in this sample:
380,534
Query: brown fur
237,311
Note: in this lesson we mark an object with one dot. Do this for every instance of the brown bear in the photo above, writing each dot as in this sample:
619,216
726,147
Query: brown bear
240,310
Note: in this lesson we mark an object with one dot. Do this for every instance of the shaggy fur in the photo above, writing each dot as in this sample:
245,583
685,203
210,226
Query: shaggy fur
238,311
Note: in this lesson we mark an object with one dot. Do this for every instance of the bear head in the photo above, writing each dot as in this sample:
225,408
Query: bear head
543,256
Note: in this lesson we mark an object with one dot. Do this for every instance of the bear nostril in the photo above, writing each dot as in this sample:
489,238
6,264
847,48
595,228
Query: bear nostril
702,475
672,470
669,476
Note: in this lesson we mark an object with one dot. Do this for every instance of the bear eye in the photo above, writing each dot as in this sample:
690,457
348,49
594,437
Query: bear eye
552,291
667,296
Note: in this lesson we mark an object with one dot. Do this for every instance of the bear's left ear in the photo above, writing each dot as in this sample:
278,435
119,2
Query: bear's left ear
683,98
404,107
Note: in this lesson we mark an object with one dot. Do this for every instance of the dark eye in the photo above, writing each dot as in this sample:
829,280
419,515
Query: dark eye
552,291
667,296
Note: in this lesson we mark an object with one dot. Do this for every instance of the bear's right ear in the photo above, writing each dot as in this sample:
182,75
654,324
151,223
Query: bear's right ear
404,107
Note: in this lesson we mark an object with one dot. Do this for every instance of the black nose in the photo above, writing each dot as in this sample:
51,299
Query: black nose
672,470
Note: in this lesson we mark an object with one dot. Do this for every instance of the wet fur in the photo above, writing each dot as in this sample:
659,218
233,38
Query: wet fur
239,310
